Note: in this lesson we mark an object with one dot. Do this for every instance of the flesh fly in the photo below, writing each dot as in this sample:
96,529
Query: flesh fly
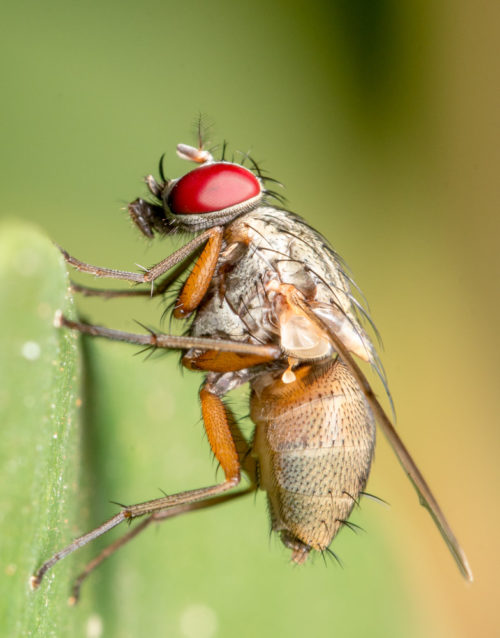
270,304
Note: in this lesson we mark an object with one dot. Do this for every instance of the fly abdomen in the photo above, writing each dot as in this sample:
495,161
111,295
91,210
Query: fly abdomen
314,441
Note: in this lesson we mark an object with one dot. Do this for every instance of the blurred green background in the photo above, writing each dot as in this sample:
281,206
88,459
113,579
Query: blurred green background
381,118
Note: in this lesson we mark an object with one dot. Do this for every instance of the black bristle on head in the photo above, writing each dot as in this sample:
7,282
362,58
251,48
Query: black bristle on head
160,169
223,151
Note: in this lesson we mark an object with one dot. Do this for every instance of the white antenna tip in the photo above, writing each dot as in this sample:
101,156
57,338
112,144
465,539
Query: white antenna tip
192,154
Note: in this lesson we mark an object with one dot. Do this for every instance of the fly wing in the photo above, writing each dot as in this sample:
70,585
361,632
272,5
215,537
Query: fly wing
425,495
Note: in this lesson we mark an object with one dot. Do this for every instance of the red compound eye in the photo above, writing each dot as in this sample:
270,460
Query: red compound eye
213,187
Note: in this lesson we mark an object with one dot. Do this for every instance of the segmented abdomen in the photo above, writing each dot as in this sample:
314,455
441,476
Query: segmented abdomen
314,442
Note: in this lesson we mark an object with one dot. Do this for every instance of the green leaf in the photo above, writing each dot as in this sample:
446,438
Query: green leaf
39,454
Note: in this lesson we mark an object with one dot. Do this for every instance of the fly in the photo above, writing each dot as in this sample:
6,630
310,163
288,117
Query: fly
271,305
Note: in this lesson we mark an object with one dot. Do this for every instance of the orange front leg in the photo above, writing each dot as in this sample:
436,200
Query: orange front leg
198,281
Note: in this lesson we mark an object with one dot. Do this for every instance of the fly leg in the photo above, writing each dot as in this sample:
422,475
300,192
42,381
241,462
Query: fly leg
194,288
217,421
157,517
159,289
257,353
151,274
197,283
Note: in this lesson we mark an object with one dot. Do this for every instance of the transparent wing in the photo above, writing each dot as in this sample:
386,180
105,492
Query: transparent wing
425,495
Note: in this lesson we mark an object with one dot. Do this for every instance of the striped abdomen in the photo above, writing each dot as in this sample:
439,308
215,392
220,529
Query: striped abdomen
314,441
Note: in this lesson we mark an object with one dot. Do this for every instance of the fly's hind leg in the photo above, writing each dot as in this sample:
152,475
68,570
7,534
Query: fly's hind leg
219,425
218,431
246,461
157,517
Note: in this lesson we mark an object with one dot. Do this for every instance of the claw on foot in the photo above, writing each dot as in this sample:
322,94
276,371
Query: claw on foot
58,319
